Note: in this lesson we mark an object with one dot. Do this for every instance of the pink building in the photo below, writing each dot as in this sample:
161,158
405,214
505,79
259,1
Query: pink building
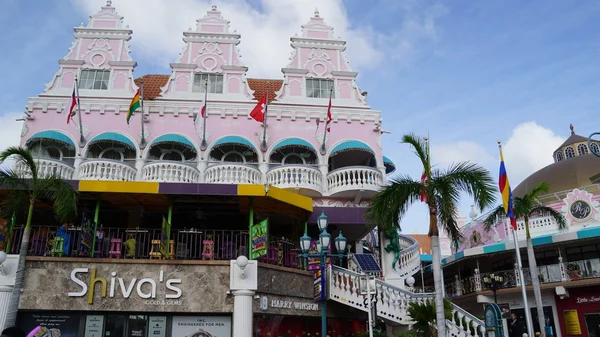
340,168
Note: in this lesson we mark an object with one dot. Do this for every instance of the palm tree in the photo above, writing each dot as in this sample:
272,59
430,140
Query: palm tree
24,191
424,317
441,191
526,207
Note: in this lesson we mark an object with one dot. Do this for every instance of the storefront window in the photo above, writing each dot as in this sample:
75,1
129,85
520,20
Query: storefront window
138,326
592,321
115,326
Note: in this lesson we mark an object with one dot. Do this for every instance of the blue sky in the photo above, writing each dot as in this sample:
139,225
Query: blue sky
469,73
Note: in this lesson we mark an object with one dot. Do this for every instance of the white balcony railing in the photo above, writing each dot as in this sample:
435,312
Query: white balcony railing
295,177
354,178
232,174
47,167
166,171
105,169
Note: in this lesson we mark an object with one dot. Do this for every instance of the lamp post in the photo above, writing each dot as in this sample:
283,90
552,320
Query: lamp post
494,282
323,254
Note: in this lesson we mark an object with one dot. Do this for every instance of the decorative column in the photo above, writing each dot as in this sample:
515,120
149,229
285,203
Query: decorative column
202,165
8,273
563,269
139,165
477,279
263,168
78,161
243,282
324,168
457,285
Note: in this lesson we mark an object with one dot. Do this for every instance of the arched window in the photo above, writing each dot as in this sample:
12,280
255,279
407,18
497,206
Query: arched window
112,153
293,159
569,152
172,155
559,156
233,157
582,149
595,148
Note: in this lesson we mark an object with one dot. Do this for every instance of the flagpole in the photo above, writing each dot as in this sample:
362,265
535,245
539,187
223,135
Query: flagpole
143,141
81,137
204,145
263,145
528,320
323,150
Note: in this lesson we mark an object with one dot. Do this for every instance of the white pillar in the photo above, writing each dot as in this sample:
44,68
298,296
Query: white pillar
243,282
263,167
8,273
242,313
78,161
324,169
202,165
139,165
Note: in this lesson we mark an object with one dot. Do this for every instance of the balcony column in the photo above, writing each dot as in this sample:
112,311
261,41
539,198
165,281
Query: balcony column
139,166
202,165
243,282
263,167
383,174
78,161
457,286
563,269
324,168
477,279
8,274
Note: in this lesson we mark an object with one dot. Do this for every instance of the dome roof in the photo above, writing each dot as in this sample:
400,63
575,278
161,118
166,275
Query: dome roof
577,172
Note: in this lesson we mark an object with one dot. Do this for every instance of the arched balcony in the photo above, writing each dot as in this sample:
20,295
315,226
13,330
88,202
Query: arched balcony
352,171
110,156
293,164
54,153
171,158
233,160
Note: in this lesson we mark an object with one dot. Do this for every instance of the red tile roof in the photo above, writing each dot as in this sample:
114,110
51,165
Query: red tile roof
260,87
152,84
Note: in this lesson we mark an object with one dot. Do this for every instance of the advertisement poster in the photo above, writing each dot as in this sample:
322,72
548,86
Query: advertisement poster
157,326
318,286
201,326
94,325
53,325
313,262
258,233
572,322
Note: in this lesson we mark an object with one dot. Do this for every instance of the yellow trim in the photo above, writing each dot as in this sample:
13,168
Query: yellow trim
294,199
118,186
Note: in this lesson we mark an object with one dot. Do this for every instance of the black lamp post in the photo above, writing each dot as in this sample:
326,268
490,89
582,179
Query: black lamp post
494,282
323,253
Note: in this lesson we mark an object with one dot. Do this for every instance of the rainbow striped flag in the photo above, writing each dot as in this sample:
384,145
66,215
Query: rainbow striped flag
507,198
134,105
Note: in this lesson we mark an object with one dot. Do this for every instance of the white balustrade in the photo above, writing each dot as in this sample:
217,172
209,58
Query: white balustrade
354,178
295,177
47,167
166,171
232,174
103,169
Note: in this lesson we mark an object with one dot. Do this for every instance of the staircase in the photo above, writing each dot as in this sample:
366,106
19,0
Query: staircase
391,302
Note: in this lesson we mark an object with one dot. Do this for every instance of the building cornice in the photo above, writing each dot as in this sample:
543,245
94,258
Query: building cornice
238,68
344,73
294,71
123,63
71,62
183,65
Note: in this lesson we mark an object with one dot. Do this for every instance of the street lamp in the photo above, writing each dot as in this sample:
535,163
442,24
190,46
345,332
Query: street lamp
494,282
322,245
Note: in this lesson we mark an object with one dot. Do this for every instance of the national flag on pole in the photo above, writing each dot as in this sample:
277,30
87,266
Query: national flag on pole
134,105
327,124
70,107
202,111
423,194
507,198
258,113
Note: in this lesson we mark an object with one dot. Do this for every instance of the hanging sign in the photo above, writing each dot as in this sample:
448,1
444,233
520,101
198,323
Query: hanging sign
259,233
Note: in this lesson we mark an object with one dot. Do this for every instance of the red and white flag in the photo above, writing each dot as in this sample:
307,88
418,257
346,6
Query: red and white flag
70,107
423,194
327,124
202,111
258,113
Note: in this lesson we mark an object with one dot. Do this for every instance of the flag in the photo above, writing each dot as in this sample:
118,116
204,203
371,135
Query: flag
507,198
258,113
328,116
423,194
202,111
70,107
134,105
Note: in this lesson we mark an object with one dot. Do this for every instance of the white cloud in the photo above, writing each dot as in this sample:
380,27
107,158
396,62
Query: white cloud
158,26
446,154
10,132
529,149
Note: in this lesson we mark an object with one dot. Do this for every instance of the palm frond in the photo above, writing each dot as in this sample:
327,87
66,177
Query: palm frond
16,204
419,148
558,217
495,216
62,195
21,155
11,180
472,179
541,188
391,203
447,198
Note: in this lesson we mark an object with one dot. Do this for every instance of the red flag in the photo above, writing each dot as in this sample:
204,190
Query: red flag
328,116
69,108
423,194
202,111
258,113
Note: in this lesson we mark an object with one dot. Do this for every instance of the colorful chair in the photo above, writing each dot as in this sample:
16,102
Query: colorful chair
115,248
